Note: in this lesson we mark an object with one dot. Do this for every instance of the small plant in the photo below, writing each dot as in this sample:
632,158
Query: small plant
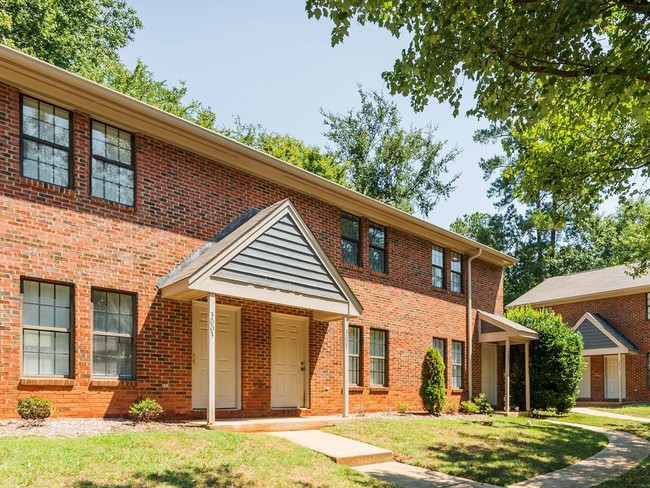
468,407
452,407
145,410
483,405
403,407
361,410
433,391
34,410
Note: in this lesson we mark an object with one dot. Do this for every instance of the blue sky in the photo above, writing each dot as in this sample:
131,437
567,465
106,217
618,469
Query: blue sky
268,63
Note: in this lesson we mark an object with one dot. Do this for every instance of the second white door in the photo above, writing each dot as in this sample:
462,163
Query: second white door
289,368
489,372
611,377
584,387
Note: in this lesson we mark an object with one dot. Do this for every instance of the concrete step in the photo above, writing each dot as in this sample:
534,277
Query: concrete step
280,424
339,449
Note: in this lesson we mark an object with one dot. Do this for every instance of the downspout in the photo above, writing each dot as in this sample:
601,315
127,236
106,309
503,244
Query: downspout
470,328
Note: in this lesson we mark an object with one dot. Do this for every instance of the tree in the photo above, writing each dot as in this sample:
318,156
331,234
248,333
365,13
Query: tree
556,362
85,37
565,84
398,166
289,149
432,389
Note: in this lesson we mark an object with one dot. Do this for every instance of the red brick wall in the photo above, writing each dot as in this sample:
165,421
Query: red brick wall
628,315
181,201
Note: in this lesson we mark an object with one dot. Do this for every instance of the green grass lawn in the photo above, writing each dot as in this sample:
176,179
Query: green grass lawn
635,409
170,459
638,477
506,452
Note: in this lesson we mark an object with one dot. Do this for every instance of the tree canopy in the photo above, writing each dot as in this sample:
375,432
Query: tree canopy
400,166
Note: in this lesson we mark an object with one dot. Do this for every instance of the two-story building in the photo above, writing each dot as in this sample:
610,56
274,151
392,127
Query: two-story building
610,308
142,255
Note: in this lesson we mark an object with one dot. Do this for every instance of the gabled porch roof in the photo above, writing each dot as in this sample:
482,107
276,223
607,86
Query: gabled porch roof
601,337
268,255
497,328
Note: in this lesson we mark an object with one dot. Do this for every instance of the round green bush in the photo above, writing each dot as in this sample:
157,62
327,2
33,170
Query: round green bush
34,410
432,390
556,362
146,410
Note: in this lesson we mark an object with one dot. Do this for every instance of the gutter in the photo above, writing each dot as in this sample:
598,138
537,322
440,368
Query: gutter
470,328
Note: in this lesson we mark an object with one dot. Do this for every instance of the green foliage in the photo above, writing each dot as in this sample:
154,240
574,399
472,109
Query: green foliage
146,410
432,390
483,405
452,407
468,407
403,407
34,410
556,362
398,166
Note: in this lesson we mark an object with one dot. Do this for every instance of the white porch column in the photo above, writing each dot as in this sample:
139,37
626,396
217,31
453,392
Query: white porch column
527,360
212,400
507,375
346,361
620,380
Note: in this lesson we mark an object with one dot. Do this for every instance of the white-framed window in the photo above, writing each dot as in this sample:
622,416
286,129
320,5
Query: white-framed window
438,266
456,272
457,350
378,347
354,355
113,334
47,325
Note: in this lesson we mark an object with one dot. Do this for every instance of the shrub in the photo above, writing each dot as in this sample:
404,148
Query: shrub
402,407
432,390
452,407
145,410
34,410
483,405
555,362
469,407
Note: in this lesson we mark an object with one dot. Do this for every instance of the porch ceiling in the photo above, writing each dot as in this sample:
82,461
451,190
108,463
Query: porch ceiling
498,329
271,256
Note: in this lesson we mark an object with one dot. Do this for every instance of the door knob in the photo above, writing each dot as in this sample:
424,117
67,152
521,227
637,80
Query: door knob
302,365
193,358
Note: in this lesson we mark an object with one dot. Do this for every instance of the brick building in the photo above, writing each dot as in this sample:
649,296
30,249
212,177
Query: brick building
611,310
130,237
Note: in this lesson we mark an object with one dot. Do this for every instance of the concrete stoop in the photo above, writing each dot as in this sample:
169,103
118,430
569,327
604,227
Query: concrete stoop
280,424
339,449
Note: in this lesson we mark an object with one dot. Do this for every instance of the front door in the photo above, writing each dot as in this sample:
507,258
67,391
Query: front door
584,387
289,361
489,372
228,340
611,377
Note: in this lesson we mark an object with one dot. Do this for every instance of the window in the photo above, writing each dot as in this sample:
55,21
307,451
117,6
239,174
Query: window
648,369
46,142
113,327
440,345
113,172
47,319
457,364
456,272
377,357
647,301
377,248
350,239
438,266
354,353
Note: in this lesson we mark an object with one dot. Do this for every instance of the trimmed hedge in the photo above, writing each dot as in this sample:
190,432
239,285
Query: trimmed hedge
432,390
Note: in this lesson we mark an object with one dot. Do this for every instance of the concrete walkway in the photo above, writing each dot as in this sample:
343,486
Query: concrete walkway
609,415
623,452
408,476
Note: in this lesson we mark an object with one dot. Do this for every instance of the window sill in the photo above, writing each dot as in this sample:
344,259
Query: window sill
352,267
379,274
379,389
110,382
46,382
48,187
111,204
458,390
355,389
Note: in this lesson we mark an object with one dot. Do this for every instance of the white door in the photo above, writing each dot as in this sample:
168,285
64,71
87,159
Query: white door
584,387
228,345
611,377
288,361
489,372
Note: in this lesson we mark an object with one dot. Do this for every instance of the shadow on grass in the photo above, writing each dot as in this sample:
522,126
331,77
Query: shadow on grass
545,449
223,476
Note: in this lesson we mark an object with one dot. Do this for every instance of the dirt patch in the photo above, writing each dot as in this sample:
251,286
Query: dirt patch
424,416
83,427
